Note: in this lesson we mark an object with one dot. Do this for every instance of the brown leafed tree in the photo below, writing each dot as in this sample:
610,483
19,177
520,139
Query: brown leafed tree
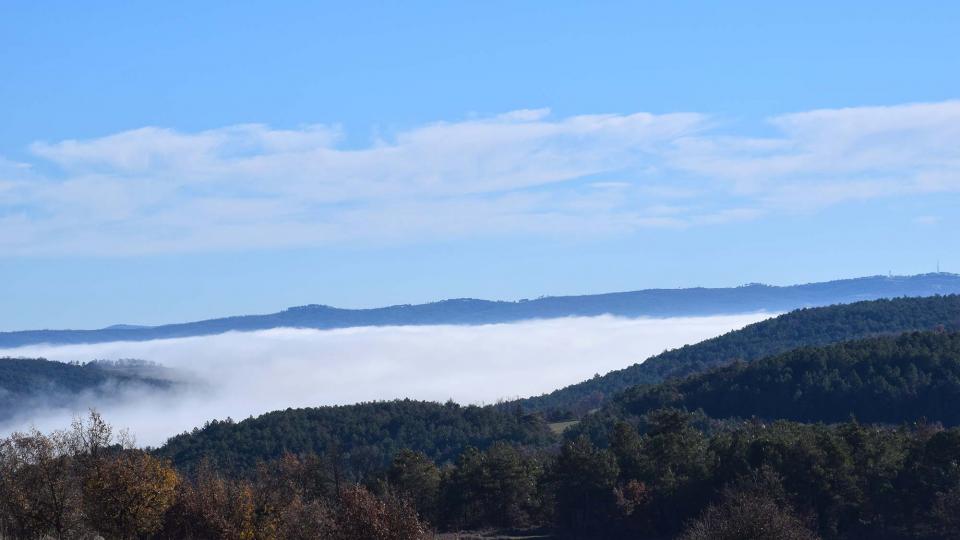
364,516
127,494
211,506
39,494
749,515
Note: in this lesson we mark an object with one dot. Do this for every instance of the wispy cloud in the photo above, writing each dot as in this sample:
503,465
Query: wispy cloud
828,156
927,220
525,172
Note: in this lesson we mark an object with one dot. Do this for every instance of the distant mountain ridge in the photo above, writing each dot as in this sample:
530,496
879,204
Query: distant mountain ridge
643,303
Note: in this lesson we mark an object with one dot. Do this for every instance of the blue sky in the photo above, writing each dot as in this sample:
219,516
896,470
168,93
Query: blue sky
180,160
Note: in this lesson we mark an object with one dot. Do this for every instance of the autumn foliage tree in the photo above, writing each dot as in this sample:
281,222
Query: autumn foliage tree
87,482
127,494
39,491
79,481
749,515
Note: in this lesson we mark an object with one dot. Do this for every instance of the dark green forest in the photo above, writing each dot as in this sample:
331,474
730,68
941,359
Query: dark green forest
804,327
26,382
366,436
879,380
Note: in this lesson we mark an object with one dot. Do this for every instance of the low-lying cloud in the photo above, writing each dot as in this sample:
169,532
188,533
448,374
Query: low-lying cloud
242,374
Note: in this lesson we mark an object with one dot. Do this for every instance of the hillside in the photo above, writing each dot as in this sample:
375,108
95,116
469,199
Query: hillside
846,480
887,380
25,382
643,303
364,436
805,327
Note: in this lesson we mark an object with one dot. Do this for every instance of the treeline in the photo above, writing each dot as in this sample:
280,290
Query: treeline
367,435
801,328
86,483
26,382
750,480
880,380
28,376
843,481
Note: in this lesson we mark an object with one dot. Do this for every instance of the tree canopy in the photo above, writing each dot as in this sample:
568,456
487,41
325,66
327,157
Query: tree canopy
364,436
879,380
800,328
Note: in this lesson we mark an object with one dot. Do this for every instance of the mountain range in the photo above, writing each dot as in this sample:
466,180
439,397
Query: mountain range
697,301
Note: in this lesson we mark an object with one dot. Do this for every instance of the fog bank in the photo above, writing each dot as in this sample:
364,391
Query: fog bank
243,374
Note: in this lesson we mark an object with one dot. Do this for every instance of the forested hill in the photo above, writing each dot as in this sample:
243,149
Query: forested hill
363,437
879,380
644,303
805,327
26,382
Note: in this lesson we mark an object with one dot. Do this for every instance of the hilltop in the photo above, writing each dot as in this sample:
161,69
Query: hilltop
889,380
800,328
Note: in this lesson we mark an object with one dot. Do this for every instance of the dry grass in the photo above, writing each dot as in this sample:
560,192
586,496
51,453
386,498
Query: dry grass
560,427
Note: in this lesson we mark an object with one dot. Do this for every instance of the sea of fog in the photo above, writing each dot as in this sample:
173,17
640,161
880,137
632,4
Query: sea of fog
242,374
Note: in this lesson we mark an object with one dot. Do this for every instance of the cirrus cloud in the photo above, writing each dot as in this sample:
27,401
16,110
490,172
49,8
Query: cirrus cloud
153,190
